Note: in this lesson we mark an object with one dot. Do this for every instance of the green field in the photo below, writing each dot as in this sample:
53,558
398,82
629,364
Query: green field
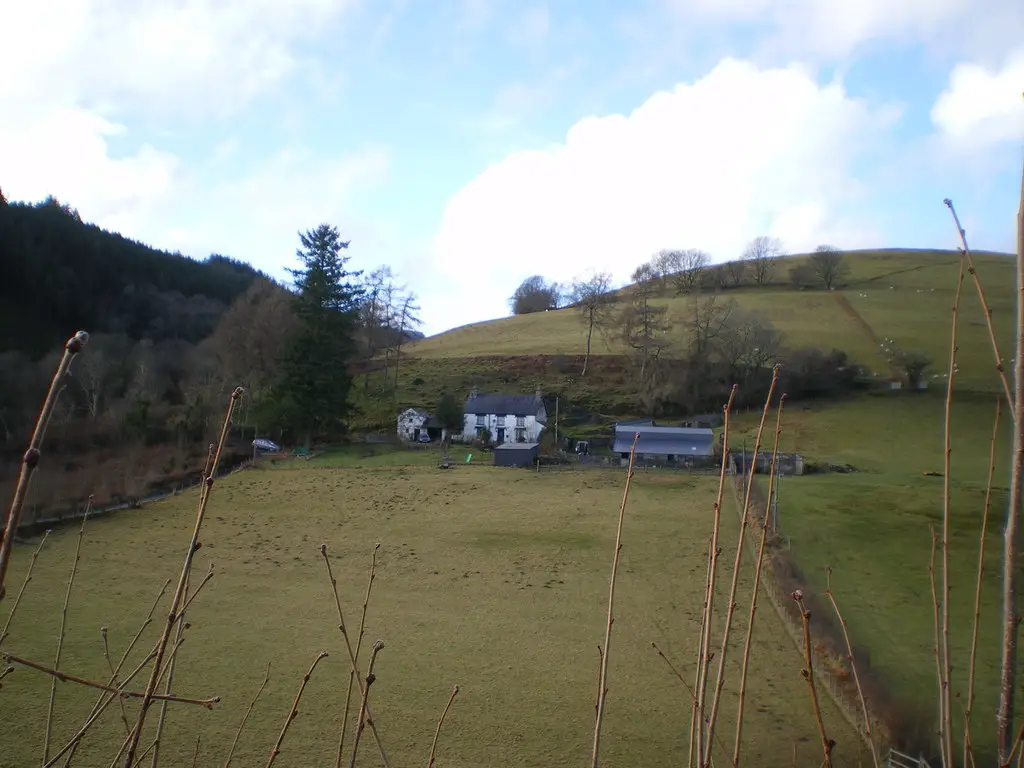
492,579
873,527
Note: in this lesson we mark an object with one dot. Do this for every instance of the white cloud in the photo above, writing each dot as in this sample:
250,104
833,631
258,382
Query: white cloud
256,216
832,29
64,152
711,164
79,73
162,55
980,107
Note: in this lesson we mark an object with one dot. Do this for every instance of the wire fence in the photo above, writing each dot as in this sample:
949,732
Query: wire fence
839,688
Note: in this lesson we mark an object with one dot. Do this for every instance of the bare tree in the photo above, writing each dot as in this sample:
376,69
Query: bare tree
734,273
748,344
248,339
829,265
100,374
709,318
761,254
802,276
666,264
408,320
692,264
592,298
644,326
535,294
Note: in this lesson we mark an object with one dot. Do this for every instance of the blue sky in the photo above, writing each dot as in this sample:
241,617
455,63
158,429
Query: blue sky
472,143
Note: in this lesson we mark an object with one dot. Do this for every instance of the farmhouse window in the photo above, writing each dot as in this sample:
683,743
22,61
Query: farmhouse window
481,420
520,435
501,421
520,421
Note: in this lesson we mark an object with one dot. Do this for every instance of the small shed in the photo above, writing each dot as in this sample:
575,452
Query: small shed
516,454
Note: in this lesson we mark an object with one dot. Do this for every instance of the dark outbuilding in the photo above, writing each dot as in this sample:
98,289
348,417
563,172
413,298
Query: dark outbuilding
516,454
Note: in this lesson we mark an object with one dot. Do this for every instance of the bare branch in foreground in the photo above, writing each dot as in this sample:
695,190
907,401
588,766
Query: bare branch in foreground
602,686
294,711
440,722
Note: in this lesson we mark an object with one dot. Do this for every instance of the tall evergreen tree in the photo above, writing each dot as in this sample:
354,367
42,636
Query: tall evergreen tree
312,396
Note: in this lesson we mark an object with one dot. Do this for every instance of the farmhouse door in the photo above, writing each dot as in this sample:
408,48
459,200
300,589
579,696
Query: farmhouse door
501,435
415,435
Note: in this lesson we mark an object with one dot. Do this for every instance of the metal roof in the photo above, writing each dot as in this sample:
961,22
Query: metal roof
516,446
503,405
675,441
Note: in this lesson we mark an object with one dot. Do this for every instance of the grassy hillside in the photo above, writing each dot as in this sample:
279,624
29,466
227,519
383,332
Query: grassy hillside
899,294
871,526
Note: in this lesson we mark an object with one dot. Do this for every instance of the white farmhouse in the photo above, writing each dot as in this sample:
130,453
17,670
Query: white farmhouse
509,418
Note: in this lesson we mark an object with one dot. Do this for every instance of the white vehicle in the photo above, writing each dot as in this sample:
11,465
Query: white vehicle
265,445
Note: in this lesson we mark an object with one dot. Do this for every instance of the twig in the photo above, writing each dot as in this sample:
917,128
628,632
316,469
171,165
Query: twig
947,709
7,670
704,650
24,585
364,706
700,666
195,755
1011,545
597,695
113,679
827,745
294,711
245,717
731,605
853,668
146,751
966,252
179,637
440,722
1014,748
48,733
30,459
679,677
359,646
67,677
747,643
105,699
351,654
99,706
179,593
938,655
971,664
602,687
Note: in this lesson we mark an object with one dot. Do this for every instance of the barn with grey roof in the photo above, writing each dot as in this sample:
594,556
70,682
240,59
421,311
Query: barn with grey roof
671,443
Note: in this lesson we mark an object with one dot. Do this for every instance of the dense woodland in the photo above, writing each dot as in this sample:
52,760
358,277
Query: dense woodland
170,337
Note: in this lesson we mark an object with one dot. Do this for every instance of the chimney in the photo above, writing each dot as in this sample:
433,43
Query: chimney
474,392
537,393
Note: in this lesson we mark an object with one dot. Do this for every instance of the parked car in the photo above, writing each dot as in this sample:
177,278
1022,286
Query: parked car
424,438
264,445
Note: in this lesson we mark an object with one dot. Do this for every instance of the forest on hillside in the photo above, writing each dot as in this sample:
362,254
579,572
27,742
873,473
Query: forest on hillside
170,337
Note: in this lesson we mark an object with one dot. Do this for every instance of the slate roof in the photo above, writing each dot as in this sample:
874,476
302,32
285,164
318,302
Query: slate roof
515,447
676,441
503,405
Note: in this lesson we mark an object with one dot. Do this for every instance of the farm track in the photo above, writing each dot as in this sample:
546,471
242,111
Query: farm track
852,313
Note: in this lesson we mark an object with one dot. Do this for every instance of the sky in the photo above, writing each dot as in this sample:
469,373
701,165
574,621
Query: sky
470,144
